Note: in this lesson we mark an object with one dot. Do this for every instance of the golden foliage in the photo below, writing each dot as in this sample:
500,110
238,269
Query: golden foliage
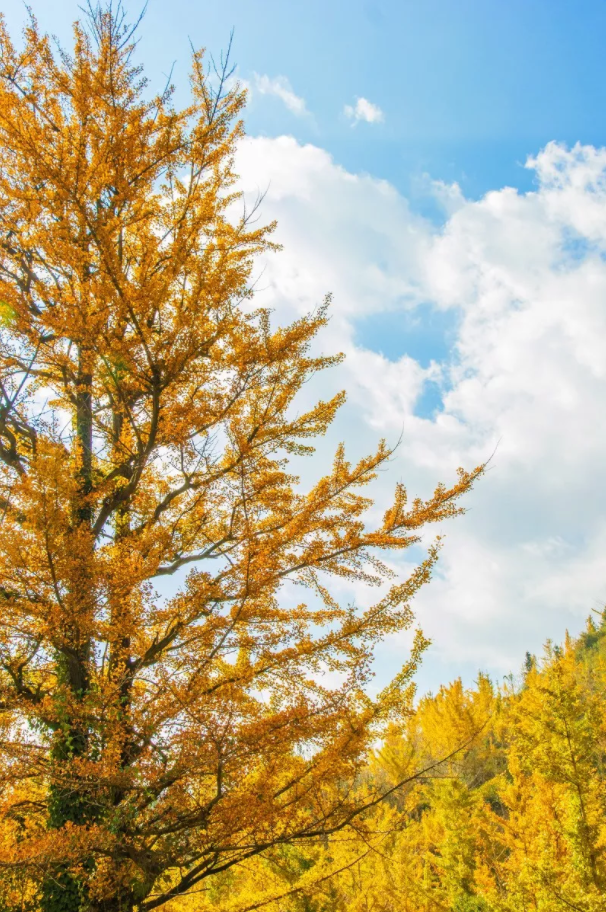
146,422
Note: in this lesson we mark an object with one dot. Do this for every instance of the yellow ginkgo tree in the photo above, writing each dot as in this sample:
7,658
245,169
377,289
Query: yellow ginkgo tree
150,741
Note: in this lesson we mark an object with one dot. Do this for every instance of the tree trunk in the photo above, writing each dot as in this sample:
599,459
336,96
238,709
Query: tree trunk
71,803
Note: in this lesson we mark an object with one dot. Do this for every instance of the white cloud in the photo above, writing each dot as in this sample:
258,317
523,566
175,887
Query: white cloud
526,276
363,110
281,88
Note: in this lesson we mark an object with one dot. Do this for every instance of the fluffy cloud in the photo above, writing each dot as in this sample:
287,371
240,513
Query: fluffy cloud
281,88
363,110
524,278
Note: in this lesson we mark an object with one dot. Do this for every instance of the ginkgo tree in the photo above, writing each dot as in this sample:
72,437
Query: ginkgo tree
146,423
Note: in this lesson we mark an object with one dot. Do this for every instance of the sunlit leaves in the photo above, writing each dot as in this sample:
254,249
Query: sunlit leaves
146,423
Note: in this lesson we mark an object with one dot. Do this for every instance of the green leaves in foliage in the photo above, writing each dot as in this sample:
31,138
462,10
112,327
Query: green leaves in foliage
7,314
62,892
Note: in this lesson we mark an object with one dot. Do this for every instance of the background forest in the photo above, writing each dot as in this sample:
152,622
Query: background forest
514,821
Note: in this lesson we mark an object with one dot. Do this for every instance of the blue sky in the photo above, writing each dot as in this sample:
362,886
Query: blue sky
469,88
459,219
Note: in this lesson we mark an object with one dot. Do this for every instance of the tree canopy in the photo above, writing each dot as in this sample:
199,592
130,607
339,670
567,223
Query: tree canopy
147,419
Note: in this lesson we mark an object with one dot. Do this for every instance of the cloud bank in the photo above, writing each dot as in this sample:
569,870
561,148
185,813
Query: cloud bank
520,280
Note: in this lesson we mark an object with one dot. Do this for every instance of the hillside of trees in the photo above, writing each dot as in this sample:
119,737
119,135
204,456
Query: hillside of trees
514,821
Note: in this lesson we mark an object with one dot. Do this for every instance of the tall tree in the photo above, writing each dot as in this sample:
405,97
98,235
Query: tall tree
146,423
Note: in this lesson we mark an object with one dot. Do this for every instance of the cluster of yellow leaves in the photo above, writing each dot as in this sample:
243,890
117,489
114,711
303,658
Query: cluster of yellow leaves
514,821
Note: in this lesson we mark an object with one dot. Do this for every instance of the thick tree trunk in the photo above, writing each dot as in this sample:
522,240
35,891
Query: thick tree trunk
71,803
